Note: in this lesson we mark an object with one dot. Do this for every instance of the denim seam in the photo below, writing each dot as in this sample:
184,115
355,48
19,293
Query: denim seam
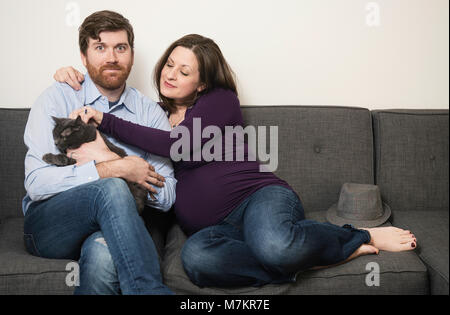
293,205
212,235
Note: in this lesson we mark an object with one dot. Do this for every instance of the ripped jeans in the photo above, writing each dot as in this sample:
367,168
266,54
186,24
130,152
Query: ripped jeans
98,224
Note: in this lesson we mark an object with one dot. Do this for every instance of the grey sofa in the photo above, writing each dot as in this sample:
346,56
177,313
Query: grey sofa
405,152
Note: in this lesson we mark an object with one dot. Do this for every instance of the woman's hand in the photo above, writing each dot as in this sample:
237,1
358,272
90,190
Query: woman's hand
87,113
94,150
69,75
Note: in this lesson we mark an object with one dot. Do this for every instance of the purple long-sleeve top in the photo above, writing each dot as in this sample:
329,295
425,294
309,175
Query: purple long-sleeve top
206,191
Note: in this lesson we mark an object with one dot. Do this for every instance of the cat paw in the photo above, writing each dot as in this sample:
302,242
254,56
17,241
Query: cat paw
48,158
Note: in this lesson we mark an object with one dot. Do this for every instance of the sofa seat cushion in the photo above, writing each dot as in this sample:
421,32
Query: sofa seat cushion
431,230
399,273
22,273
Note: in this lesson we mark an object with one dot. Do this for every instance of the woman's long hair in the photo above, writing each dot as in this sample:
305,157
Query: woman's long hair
212,66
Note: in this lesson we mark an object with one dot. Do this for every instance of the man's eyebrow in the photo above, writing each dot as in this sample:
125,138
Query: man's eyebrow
102,43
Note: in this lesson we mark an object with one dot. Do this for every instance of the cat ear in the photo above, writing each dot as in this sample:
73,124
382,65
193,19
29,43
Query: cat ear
78,120
56,119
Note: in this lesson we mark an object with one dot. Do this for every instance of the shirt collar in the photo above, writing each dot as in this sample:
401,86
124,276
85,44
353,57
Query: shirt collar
92,94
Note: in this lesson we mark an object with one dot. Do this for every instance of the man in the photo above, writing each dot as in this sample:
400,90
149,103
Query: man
86,211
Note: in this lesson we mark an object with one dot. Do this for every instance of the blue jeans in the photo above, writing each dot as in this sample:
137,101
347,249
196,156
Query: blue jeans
97,223
266,239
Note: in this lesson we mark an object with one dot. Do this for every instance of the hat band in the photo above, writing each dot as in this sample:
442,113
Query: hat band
372,214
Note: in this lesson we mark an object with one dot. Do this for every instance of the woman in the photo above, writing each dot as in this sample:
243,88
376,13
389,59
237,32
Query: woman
246,227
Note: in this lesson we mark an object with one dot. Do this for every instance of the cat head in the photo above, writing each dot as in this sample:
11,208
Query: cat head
72,133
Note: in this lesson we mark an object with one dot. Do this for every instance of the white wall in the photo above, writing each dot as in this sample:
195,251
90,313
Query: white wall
375,54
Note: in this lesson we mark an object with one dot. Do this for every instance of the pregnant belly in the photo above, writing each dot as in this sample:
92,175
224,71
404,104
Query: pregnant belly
201,196
207,194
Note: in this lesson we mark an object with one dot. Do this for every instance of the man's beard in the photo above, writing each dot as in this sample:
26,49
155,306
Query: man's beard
109,81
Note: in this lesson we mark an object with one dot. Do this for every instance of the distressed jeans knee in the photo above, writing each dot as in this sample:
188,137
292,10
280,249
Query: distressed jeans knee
98,275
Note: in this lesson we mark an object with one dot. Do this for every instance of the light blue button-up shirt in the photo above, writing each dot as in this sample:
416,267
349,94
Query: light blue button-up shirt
43,181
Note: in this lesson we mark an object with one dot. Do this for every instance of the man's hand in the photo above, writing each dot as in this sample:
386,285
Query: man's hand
141,172
94,150
133,169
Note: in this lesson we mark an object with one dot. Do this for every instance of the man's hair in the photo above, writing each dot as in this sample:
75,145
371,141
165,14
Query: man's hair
102,21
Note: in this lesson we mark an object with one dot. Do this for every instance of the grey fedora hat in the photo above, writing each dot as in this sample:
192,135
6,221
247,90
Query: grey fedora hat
359,205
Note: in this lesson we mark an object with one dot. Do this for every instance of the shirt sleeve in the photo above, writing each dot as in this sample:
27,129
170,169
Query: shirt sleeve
218,108
165,196
42,180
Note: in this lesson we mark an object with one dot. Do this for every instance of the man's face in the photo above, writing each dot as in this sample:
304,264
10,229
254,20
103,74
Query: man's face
109,59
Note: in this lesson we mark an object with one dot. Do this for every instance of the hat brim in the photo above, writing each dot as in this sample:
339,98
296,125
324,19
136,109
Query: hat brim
333,218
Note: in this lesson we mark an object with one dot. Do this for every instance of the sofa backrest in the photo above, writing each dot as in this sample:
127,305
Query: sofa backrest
12,155
412,158
320,148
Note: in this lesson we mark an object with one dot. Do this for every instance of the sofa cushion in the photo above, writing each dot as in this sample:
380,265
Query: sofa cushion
320,148
412,158
431,230
412,173
22,273
400,273
12,155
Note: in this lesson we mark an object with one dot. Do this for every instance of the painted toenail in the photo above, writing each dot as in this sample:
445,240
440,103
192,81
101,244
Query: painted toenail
413,245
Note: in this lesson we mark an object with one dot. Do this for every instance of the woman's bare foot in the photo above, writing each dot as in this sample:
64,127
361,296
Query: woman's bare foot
392,239
389,238
364,249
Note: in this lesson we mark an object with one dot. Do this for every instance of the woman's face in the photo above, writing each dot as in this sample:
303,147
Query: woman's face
180,78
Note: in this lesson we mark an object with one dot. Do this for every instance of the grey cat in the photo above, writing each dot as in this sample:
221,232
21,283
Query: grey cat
71,134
